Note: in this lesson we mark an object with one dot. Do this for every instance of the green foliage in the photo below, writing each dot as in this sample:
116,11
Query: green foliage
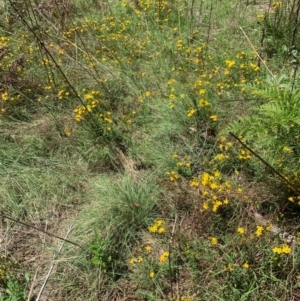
100,257
15,289
281,34
273,126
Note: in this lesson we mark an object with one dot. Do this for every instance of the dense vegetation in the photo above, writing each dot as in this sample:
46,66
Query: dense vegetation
149,150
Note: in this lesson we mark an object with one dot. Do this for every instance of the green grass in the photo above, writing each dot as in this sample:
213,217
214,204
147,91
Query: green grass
115,120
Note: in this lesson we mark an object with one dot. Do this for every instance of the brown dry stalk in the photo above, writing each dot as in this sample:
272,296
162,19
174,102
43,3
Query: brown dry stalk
40,230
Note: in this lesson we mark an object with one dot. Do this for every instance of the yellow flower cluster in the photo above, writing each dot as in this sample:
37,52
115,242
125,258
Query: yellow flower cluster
244,155
106,118
157,227
173,175
213,189
284,249
293,199
134,260
91,100
4,96
276,4
183,162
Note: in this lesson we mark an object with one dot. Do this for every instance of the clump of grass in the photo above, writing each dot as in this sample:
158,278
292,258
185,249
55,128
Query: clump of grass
122,210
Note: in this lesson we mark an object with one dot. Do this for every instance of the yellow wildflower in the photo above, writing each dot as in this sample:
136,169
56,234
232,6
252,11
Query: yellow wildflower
203,103
153,229
226,202
194,182
191,112
161,230
213,240
241,230
286,149
205,206
284,249
164,256
152,274
229,63
276,4
132,260
216,206
259,230
214,117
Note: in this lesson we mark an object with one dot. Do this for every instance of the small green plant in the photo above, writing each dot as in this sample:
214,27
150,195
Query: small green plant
15,289
100,256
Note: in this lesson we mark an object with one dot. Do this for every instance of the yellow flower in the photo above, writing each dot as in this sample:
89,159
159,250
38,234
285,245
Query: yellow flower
220,157
276,4
164,256
172,96
148,93
284,249
229,63
153,229
240,230
259,230
194,182
191,112
229,268
152,274
5,96
132,260
246,265
217,174
161,230
214,117
139,259
159,222
148,248
216,206
203,103
213,240
286,149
